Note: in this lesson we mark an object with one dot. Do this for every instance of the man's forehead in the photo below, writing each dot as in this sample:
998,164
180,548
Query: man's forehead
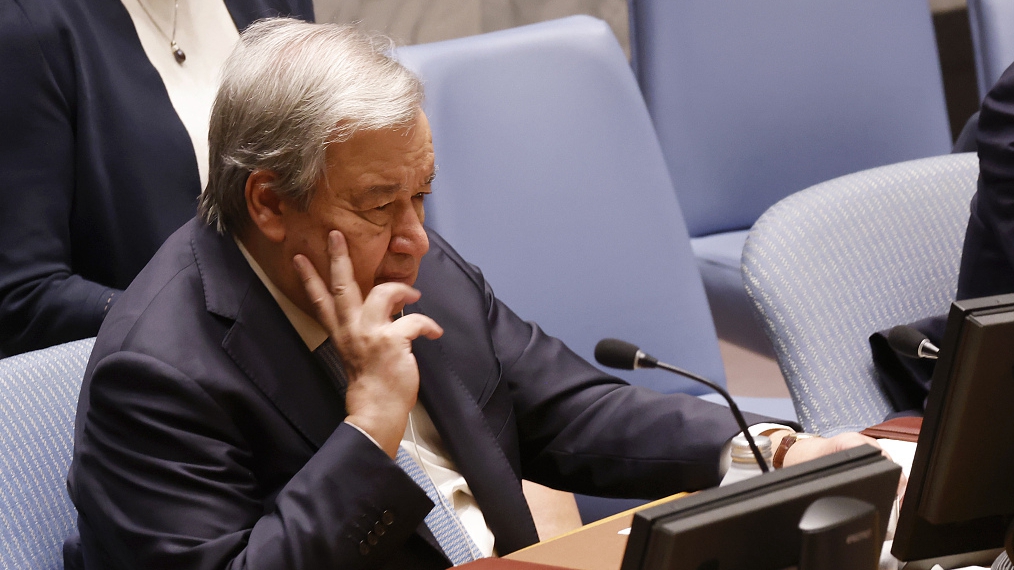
374,187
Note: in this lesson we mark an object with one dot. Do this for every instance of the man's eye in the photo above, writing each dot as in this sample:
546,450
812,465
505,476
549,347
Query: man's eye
383,208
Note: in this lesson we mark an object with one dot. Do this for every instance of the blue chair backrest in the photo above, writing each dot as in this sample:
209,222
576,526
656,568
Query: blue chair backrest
38,400
992,26
552,181
753,100
829,266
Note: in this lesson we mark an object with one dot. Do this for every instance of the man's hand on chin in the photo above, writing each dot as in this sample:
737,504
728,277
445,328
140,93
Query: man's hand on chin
376,351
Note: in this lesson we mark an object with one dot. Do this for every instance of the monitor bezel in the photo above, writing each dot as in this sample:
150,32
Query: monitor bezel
861,472
917,537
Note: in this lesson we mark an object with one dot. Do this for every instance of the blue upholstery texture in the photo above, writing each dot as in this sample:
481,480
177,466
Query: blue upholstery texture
753,101
552,181
830,265
992,27
38,400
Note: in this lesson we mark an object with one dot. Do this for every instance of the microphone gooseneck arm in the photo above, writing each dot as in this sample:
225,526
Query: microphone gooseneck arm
623,355
732,407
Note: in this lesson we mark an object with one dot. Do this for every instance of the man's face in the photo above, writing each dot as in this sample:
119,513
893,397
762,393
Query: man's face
373,193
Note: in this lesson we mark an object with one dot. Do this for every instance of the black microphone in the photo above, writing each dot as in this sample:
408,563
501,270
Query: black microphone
910,342
616,353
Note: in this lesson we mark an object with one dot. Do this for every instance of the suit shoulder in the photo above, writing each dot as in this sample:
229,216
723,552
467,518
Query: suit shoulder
442,252
166,291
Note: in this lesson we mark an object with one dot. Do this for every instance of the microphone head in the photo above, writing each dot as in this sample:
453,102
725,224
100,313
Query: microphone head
616,353
906,340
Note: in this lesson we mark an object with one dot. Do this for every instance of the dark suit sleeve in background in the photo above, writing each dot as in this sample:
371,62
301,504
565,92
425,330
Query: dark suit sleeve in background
987,261
987,257
42,301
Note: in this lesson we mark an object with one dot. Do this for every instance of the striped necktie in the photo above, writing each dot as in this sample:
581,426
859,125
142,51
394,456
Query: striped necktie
442,520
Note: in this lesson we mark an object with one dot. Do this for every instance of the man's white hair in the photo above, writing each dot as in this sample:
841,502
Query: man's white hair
289,90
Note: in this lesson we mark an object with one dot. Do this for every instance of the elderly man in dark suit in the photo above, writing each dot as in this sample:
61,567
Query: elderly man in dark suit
240,410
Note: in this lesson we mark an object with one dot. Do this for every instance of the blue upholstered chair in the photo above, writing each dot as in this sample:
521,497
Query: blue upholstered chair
551,179
830,265
38,400
753,101
992,26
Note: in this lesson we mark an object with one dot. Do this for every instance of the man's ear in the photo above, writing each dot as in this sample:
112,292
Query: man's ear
264,206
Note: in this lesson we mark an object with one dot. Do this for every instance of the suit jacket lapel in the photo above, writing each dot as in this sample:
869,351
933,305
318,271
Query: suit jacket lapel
263,343
265,346
474,449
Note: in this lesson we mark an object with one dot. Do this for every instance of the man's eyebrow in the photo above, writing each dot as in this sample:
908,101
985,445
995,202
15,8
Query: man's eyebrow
383,190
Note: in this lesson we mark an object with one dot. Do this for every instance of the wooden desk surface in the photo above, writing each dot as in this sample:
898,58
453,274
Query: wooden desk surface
595,546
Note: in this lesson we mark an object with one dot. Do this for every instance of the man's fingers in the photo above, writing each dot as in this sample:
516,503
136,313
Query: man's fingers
344,289
384,298
316,291
415,325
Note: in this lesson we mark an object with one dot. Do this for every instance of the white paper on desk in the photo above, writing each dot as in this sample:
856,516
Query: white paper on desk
902,452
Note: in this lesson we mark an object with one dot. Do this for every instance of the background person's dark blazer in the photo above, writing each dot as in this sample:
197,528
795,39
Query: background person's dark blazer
96,168
987,261
987,257
206,432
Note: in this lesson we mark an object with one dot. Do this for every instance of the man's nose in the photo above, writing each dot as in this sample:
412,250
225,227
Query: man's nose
408,235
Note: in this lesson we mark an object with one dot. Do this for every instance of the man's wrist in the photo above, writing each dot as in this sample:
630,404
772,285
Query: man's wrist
774,431
786,443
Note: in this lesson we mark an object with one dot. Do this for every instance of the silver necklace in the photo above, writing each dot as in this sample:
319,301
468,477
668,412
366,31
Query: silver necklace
177,52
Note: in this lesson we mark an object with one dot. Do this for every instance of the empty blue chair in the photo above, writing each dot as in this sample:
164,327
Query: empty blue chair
992,26
753,101
829,266
552,181
38,401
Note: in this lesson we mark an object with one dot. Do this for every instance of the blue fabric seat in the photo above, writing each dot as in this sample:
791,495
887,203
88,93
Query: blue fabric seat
992,27
828,266
753,101
552,180
38,401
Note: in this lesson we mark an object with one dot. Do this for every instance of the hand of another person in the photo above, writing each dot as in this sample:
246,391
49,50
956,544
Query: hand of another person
383,376
812,448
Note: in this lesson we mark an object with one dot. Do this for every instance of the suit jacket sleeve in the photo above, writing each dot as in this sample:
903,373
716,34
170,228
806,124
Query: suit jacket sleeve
168,481
42,301
582,430
987,260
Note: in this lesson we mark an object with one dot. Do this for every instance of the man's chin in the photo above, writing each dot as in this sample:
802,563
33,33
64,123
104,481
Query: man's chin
406,279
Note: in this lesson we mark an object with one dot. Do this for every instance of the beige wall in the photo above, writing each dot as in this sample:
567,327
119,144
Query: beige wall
421,21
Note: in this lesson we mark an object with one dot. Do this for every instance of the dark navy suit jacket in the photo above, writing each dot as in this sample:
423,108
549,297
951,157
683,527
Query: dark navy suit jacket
96,168
987,257
207,434
987,262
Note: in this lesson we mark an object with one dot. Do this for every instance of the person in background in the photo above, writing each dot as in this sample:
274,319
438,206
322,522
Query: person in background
304,376
104,109
987,256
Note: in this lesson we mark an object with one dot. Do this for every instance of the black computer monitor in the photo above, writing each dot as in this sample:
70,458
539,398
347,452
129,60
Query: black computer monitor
755,523
960,495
